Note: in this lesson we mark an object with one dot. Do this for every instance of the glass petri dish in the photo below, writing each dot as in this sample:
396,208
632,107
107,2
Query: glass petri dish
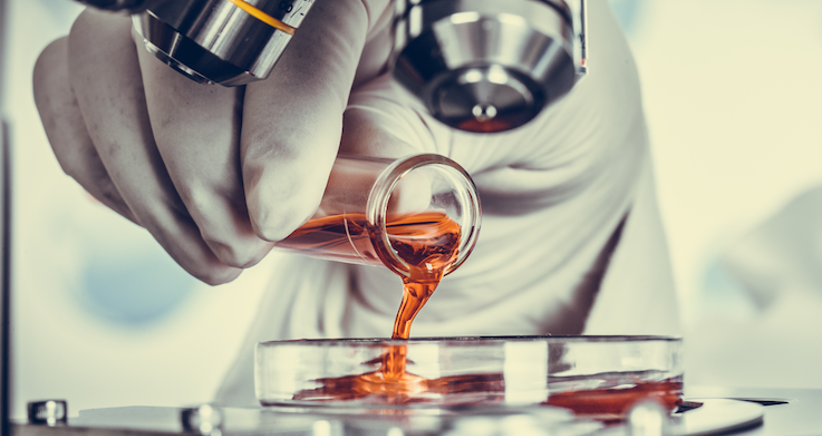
594,376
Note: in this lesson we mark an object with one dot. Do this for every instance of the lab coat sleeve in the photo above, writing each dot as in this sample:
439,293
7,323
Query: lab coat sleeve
637,294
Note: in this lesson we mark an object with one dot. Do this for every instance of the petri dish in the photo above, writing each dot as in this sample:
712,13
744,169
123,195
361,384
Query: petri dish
596,376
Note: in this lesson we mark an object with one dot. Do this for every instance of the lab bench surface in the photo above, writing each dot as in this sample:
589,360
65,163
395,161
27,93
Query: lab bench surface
786,412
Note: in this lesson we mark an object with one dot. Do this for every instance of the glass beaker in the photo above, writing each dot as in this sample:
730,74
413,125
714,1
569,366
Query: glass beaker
373,206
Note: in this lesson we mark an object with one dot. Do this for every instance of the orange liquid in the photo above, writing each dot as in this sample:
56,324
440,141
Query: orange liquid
419,239
617,402
428,243
605,403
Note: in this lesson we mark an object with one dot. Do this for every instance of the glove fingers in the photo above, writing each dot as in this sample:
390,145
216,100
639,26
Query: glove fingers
66,129
293,120
106,78
197,131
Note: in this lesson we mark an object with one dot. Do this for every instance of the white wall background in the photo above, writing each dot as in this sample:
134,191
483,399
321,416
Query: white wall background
733,94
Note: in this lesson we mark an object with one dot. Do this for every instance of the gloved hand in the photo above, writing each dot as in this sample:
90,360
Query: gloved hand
217,174
213,173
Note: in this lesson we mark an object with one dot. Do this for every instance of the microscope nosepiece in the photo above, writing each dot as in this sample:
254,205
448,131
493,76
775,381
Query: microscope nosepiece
486,65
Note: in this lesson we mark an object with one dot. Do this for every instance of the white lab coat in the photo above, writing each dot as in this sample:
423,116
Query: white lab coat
564,267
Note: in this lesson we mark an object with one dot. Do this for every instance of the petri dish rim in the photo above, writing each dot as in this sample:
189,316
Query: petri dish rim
457,340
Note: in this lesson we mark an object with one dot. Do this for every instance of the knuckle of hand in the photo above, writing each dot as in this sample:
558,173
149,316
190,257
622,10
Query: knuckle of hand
234,254
218,275
230,247
277,226
198,198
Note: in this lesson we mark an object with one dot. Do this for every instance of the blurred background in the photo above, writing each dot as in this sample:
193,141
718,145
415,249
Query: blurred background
733,96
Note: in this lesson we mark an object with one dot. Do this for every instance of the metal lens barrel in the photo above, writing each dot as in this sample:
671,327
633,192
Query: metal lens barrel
131,6
485,65
221,41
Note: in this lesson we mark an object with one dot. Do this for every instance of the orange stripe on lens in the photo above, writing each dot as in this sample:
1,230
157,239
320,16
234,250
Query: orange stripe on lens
262,16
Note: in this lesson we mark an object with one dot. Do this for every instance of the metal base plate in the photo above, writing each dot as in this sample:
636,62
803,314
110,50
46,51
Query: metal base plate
715,416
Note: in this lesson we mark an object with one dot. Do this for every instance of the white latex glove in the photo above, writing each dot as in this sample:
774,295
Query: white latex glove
215,174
